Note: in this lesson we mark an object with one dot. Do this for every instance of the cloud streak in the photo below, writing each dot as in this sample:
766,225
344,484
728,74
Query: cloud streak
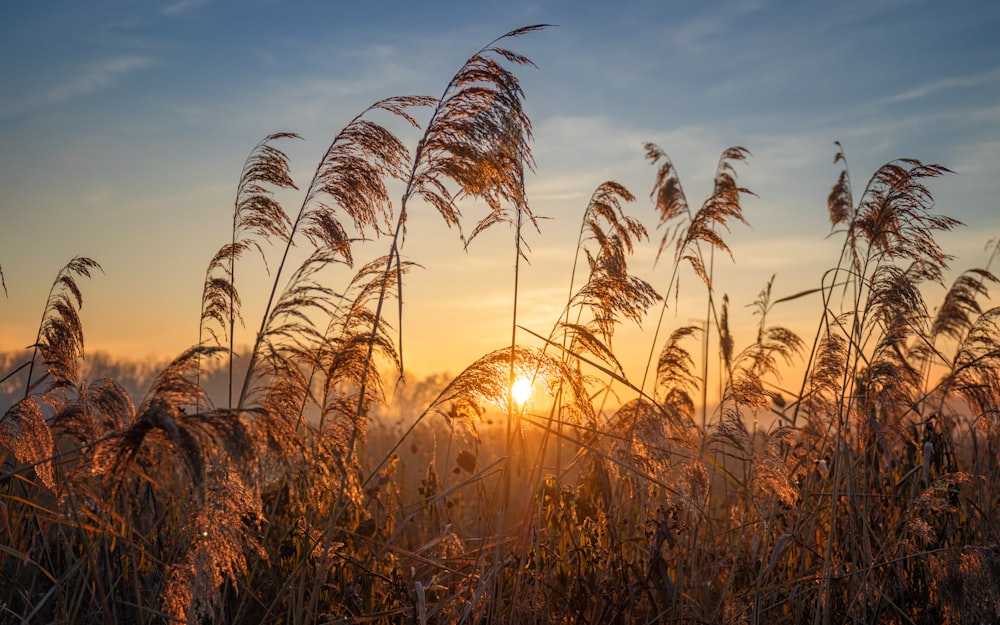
83,81
943,84
182,6
98,76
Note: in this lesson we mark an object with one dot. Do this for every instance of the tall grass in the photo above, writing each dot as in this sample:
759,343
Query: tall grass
868,492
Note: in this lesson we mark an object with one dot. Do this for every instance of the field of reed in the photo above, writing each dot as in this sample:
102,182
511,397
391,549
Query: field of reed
862,489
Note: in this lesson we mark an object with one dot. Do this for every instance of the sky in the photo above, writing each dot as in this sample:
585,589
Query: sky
124,126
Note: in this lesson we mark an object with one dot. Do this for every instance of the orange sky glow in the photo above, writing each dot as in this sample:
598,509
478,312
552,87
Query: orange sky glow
130,153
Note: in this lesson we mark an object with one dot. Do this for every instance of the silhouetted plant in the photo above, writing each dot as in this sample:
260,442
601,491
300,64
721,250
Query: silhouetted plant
869,494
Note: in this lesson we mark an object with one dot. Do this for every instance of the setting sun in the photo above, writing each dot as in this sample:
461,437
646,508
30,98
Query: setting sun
520,390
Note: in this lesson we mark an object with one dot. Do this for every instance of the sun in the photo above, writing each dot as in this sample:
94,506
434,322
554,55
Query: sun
520,390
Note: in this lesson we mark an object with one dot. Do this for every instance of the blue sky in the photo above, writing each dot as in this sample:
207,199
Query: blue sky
123,127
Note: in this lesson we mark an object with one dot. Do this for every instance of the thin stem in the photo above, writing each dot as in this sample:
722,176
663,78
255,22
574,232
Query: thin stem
705,343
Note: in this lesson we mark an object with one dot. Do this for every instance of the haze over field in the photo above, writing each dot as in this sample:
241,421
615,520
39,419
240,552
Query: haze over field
123,127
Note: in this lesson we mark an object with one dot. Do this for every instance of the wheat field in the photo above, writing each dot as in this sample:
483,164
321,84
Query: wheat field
850,476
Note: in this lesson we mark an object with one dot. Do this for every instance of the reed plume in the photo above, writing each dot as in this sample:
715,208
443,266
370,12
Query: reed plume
59,344
60,334
344,360
840,202
751,369
716,212
24,431
344,357
667,194
687,231
487,381
975,371
299,502
163,421
350,177
883,345
960,307
610,294
721,207
214,538
476,139
675,367
894,218
258,218
93,419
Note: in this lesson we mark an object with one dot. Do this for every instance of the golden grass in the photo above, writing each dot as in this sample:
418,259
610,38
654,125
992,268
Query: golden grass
868,494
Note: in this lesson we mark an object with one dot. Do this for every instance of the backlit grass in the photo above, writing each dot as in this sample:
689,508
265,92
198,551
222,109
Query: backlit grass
542,484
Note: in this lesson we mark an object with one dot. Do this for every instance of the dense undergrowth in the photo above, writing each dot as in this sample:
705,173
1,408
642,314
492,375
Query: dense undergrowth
867,493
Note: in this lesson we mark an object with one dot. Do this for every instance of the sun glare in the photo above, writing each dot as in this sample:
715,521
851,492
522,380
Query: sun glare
520,390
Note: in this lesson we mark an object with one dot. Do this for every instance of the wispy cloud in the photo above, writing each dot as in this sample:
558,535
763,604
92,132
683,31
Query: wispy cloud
86,80
943,84
695,34
95,77
182,6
